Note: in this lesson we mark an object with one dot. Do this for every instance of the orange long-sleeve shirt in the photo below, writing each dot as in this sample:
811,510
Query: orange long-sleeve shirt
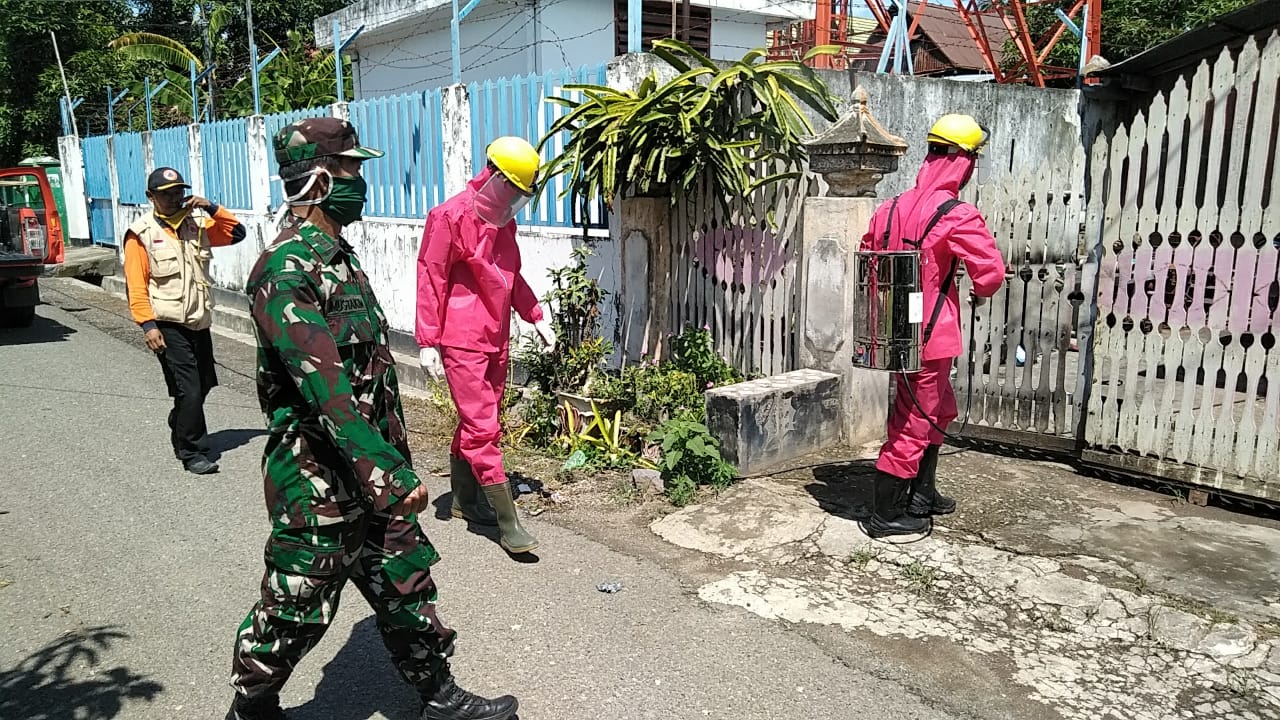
222,227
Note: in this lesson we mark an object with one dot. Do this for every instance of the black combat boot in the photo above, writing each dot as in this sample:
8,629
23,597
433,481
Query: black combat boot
447,701
925,498
468,502
889,518
265,708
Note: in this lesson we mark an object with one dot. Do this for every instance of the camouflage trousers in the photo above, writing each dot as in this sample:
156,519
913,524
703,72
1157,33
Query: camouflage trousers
387,558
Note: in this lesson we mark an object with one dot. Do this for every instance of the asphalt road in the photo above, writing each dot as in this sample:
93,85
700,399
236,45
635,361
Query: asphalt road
123,579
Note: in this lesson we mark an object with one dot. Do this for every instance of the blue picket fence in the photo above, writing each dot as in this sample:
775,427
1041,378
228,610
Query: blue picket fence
171,148
409,180
226,163
97,185
274,124
517,106
131,174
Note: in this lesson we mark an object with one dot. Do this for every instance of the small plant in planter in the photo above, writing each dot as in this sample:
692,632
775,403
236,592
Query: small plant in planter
740,127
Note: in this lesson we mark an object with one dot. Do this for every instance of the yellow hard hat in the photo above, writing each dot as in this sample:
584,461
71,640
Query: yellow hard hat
516,159
960,131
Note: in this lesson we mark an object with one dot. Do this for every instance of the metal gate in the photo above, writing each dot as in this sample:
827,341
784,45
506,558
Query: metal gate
97,185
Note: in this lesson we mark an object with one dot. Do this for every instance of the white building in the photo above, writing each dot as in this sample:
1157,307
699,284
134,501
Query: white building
405,44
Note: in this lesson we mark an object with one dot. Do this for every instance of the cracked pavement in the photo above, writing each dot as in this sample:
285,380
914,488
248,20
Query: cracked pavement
1093,600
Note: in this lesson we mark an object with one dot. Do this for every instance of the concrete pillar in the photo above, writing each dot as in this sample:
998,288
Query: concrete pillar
148,153
853,155
259,176
195,160
76,223
120,221
833,229
643,227
455,130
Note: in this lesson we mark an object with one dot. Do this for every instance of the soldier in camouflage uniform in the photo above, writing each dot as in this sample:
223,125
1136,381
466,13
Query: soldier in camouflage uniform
340,489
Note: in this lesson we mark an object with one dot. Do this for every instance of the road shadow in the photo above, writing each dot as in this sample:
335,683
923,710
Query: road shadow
224,441
844,489
63,680
42,330
360,682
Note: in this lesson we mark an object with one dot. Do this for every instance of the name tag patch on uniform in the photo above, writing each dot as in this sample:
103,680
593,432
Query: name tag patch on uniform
346,305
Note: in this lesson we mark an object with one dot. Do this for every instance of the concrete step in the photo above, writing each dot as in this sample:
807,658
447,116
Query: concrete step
85,261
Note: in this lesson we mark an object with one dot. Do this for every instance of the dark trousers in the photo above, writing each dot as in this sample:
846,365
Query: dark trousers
189,372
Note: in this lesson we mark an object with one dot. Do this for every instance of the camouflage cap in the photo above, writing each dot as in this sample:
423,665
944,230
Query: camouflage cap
318,137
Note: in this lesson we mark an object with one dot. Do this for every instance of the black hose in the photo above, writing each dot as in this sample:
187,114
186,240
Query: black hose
968,403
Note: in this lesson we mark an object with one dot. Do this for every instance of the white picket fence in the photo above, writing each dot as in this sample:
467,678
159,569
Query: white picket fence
1184,381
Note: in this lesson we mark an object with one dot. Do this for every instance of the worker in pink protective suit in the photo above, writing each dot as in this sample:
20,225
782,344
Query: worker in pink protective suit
931,218
468,282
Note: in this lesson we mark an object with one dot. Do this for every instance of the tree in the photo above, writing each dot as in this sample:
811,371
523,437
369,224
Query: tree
30,83
300,77
1130,26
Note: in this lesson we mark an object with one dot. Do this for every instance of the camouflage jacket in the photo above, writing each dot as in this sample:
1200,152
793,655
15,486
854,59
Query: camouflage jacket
326,382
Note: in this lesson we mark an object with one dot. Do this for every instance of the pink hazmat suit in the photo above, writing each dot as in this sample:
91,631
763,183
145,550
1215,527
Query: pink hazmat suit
468,282
960,235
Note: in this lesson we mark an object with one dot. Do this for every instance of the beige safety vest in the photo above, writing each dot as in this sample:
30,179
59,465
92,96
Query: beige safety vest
179,286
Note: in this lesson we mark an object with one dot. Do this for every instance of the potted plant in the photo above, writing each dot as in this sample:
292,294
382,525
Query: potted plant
739,128
568,371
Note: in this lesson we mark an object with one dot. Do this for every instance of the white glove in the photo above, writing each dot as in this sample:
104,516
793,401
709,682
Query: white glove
546,333
429,359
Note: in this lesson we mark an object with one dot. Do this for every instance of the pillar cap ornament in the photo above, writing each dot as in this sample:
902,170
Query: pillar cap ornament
855,154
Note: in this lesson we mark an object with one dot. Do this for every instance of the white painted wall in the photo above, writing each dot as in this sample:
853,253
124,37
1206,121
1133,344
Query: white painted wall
503,38
572,33
734,32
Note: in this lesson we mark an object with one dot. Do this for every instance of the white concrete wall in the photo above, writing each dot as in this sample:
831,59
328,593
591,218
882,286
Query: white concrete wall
414,54
733,33
573,33
504,38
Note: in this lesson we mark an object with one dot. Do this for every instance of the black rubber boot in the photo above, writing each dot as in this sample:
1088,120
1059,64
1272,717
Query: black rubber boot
514,538
925,498
450,702
267,708
889,518
468,503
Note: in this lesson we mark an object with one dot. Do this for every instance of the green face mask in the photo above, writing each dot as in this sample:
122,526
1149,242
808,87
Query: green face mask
345,203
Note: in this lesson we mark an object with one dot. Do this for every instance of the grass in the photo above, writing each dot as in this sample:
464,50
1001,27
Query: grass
1269,630
920,576
863,556
623,492
1241,685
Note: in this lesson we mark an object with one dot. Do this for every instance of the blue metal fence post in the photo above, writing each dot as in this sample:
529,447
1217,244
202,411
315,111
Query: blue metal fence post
257,69
149,95
339,45
455,36
635,41
111,109
195,100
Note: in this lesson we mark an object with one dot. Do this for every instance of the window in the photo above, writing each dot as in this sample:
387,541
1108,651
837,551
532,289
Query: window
655,23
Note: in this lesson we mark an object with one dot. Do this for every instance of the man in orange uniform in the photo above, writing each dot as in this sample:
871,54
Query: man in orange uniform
166,267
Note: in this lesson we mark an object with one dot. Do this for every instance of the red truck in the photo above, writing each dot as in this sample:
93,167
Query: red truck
30,238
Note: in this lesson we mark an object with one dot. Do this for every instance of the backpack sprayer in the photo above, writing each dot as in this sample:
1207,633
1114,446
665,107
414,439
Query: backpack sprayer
889,332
